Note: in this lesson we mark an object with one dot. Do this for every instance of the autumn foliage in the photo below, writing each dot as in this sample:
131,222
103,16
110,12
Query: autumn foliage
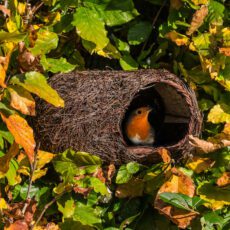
75,190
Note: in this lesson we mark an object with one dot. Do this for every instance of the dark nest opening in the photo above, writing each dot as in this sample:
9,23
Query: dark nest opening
174,112
97,104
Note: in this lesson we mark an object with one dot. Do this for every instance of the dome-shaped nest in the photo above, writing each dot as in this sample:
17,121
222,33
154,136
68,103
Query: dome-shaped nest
97,104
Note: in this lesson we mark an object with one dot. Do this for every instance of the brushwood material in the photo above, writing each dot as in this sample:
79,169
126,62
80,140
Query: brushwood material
95,105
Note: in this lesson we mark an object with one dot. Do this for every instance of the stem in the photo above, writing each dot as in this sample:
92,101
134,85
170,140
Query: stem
32,170
45,208
154,21
37,7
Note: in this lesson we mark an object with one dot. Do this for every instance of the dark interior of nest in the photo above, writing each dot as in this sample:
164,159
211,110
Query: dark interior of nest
173,113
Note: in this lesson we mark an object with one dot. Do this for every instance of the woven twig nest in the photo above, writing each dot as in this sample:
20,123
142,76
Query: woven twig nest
97,103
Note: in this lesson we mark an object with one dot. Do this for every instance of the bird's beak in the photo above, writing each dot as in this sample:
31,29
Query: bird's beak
149,110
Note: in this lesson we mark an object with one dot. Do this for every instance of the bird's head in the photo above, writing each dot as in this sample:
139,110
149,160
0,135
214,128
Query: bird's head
141,113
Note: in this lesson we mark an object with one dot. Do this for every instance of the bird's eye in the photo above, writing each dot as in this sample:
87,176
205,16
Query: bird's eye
138,111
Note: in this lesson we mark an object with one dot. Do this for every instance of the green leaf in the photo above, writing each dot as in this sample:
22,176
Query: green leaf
70,224
139,32
90,27
202,44
176,199
56,65
11,174
210,220
133,167
218,115
123,176
215,12
66,206
205,104
128,63
121,45
69,162
98,186
46,41
215,196
113,12
36,83
12,37
86,215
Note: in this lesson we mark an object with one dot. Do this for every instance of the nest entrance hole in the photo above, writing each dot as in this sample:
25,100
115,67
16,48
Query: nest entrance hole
173,109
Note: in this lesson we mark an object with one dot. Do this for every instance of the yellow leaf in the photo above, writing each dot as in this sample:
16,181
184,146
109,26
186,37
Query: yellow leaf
226,36
43,158
3,204
5,160
200,2
11,25
199,164
216,196
22,132
21,8
21,100
218,115
179,39
39,173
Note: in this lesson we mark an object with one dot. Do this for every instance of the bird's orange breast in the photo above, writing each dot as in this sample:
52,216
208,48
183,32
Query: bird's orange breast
140,126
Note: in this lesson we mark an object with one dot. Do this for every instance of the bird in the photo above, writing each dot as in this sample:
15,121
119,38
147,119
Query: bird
138,129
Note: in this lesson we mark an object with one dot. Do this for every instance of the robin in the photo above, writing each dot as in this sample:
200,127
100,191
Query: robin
138,128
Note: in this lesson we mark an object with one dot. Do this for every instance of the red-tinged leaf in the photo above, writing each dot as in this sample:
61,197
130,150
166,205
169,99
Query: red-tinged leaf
224,180
27,61
22,133
19,224
165,155
111,172
197,19
178,183
5,160
5,10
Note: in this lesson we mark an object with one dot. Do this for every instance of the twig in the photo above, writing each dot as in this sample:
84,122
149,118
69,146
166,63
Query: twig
32,170
6,6
154,21
45,208
37,7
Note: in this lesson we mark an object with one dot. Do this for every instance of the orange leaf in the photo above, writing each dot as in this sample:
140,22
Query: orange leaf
22,132
21,100
178,38
224,180
225,51
197,19
165,155
5,160
178,183
19,224
4,62
5,10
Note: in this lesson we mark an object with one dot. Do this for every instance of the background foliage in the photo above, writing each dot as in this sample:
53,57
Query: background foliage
74,190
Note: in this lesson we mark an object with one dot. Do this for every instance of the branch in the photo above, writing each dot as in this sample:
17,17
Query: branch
45,208
32,170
